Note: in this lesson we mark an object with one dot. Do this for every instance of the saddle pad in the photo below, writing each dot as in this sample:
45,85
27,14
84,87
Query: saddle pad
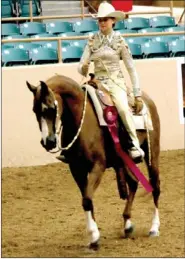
141,121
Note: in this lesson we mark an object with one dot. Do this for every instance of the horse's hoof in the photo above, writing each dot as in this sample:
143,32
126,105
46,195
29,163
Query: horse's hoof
129,231
94,246
154,233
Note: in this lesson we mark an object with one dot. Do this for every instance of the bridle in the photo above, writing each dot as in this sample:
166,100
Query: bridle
59,129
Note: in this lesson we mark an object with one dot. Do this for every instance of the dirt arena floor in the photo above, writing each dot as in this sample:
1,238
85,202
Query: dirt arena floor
42,214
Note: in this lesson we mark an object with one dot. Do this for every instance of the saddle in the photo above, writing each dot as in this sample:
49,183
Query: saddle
101,92
110,115
101,98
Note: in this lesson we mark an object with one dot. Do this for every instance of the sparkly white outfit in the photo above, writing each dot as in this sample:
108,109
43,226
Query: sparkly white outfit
106,52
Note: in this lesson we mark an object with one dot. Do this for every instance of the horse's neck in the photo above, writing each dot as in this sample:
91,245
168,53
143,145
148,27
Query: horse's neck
73,100
72,113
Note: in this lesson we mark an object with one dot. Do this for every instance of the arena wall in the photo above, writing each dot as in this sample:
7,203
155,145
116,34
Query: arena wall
160,78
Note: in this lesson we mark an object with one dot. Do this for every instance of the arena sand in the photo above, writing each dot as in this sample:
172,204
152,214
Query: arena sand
42,214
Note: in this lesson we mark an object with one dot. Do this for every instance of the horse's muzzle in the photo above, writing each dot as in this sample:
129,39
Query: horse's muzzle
50,142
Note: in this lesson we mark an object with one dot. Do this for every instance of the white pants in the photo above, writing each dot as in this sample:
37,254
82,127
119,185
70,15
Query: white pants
118,92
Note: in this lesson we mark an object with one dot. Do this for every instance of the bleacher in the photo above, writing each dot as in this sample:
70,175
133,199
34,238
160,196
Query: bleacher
44,52
19,8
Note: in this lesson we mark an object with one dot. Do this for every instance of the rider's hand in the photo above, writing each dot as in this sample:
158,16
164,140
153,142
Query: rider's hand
85,69
138,105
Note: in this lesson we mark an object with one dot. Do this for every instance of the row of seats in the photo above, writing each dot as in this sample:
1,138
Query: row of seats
81,43
16,56
19,8
45,44
133,25
157,49
34,53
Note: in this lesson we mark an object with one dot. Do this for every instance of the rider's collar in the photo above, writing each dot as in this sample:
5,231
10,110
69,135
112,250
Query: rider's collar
109,37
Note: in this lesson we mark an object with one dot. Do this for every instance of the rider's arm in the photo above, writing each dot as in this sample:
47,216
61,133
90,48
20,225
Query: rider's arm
129,63
85,61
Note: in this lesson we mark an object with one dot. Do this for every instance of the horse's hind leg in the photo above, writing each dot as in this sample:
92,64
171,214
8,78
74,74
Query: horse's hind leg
153,170
94,179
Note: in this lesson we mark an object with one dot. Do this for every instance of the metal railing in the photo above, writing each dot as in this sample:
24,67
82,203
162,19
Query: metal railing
60,39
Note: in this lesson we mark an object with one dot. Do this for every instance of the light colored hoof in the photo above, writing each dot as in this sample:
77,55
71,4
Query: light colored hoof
129,231
154,233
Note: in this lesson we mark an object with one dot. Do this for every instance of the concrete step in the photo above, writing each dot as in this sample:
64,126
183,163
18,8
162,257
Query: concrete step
63,4
64,11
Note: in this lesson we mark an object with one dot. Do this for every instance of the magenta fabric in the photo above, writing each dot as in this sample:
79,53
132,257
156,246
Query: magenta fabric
127,160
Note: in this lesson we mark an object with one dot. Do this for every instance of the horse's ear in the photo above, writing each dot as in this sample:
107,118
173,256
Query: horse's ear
44,89
32,88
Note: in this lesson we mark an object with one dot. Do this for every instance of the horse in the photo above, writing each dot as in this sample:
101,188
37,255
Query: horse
60,102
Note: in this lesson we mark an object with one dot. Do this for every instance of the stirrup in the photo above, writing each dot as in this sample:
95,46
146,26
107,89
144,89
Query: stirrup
62,158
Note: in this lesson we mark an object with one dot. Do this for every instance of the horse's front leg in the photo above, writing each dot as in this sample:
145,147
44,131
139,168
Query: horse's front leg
94,179
128,226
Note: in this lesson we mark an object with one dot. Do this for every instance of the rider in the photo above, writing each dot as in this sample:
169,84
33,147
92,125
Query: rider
106,49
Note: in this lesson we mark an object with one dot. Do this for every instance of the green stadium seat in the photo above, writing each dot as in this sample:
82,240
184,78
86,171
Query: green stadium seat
155,49
177,48
8,29
24,9
162,21
70,33
90,33
120,25
42,35
78,43
165,38
26,45
30,28
126,31
8,9
71,54
16,36
135,50
5,2
148,30
59,27
12,56
43,56
6,46
54,44
182,37
85,26
137,40
137,23
177,28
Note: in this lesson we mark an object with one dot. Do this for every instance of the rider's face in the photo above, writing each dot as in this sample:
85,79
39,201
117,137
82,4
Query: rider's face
106,24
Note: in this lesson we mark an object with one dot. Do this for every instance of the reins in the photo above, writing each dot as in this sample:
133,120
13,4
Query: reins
78,132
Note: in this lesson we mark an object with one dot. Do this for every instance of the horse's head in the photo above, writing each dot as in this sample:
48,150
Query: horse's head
48,111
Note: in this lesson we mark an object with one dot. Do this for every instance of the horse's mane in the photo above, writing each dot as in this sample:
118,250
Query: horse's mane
64,85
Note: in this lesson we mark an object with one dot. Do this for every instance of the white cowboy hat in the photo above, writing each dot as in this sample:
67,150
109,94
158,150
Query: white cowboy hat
107,10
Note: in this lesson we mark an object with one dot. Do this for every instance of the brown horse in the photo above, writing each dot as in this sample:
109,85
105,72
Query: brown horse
61,100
